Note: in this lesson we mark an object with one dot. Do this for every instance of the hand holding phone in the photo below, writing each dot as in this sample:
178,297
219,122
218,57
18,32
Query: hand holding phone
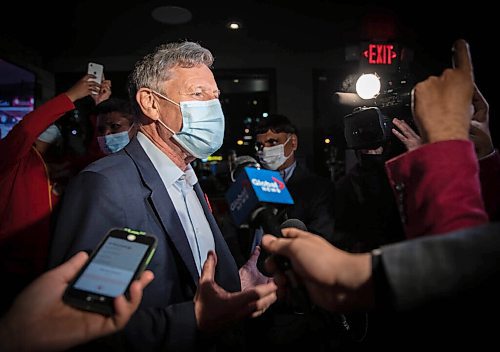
120,258
97,70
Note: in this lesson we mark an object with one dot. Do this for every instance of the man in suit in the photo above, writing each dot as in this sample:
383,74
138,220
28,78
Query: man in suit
313,195
276,142
150,186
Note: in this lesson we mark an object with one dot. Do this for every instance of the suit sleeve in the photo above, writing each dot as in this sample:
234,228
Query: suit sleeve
437,188
91,206
89,210
438,267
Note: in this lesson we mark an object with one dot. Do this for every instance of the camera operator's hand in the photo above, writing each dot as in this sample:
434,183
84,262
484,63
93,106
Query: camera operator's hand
407,136
479,126
441,105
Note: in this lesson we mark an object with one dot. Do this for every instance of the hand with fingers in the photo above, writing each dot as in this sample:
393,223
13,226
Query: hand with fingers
441,104
216,308
250,276
479,127
82,88
406,134
40,320
104,91
335,280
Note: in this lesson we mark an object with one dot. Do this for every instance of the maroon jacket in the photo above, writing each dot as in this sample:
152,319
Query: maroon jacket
437,188
489,174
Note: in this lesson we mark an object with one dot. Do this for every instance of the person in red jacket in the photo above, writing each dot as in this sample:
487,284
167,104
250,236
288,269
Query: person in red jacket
27,197
489,166
437,185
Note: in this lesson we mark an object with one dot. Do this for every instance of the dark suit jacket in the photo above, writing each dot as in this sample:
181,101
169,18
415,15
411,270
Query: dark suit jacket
313,198
125,190
444,291
313,201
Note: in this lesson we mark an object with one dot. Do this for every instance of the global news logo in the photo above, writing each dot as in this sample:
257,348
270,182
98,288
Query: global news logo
272,187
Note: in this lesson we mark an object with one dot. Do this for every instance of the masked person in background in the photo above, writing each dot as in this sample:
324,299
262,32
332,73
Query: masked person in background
28,189
276,142
281,328
115,125
199,296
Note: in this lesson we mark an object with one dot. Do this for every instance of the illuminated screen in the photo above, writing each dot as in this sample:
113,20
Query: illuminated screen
17,95
113,267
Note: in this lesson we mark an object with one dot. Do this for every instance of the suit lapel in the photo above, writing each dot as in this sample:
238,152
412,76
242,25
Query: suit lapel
162,205
226,273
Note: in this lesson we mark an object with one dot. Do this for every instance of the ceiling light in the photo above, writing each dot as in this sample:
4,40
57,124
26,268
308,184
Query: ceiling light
233,25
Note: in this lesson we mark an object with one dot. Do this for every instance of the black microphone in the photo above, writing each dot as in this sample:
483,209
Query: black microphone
299,296
253,199
294,223
240,163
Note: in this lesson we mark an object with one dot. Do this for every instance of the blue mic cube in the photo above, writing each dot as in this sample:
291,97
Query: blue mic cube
252,188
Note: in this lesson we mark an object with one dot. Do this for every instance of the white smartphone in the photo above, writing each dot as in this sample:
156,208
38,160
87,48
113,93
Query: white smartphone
96,70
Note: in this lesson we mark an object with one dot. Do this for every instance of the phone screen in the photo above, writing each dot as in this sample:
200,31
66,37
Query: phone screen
112,268
119,258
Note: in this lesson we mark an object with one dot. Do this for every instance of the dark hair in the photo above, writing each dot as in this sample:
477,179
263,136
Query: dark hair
115,105
276,123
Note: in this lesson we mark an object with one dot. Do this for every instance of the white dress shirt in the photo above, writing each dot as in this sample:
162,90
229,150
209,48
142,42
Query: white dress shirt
179,185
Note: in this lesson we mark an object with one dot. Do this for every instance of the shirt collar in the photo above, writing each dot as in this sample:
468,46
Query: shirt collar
287,172
168,171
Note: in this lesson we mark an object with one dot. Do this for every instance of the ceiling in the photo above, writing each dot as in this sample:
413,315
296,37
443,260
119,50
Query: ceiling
105,28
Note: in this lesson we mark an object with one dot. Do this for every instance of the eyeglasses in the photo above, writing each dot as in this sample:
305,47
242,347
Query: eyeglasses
203,94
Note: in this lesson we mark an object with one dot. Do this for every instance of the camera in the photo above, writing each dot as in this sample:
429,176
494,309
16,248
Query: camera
369,126
366,128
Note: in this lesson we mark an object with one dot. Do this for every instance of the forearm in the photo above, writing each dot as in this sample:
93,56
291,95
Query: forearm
437,188
19,141
10,337
441,267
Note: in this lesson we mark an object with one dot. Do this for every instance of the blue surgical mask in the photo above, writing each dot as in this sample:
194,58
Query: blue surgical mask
202,130
112,143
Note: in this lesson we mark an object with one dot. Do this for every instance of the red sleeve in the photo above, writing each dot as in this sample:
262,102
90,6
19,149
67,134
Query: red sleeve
489,174
20,139
437,188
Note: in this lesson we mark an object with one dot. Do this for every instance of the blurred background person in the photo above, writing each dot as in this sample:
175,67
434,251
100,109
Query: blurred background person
115,125
281,327
29,190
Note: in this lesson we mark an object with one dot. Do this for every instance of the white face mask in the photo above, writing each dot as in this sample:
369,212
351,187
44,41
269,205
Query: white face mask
202,130
51,135
273,157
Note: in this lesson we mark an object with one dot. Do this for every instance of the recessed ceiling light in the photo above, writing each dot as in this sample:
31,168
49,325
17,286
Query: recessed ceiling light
234,25
171,15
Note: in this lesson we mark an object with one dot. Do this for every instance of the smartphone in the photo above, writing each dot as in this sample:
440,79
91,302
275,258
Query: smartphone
96,70
120,258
